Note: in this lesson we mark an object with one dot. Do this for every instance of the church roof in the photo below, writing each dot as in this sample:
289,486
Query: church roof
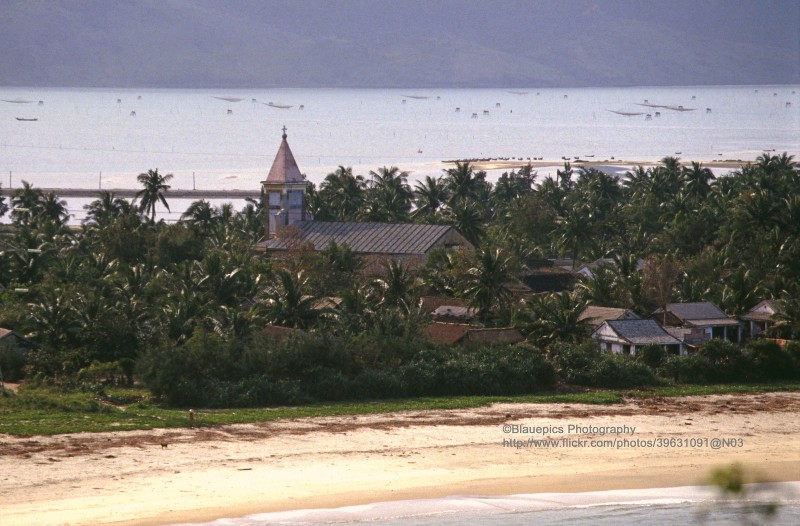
284,167
368,238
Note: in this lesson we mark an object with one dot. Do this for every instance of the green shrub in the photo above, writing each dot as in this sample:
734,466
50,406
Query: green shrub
768,361
651,355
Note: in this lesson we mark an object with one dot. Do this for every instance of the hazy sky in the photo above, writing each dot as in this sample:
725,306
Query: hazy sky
263,43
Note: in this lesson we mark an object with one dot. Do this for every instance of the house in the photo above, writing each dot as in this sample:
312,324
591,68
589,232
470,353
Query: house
629,336
587,270
547,276
405,242
594,315
428,304
454,313
290,226
14,340
761,317
700,315
463,334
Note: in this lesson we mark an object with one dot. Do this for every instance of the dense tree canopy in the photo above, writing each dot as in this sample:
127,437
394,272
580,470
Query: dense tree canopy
124,283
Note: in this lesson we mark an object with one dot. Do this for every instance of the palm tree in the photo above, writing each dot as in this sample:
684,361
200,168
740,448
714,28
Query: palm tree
388,197
553,318
155,186
429,196
488,283
340,195
201,215
101,212
285,302
575,231
698,180
27,202
54,209
467,218
463,183
396,285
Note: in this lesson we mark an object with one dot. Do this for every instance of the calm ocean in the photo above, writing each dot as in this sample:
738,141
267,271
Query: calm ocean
227,139
663,506
231,143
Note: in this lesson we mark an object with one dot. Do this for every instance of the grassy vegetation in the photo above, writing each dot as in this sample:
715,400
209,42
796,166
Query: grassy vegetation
40,411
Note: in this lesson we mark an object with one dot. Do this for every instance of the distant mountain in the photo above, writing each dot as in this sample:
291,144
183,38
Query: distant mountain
413,43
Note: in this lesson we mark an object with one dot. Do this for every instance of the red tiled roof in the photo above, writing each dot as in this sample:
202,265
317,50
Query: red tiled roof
445,333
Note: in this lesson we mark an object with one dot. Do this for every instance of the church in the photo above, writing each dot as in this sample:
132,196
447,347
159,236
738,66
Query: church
288,223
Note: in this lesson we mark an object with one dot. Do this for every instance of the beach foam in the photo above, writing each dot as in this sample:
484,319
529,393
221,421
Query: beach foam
469,509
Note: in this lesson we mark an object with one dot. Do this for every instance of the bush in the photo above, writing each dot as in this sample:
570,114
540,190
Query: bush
769,361
586,365
652,356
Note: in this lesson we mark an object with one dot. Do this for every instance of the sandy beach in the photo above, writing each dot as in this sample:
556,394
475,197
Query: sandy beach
170,476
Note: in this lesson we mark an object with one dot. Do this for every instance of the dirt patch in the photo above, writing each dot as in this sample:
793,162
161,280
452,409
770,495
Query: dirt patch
95,443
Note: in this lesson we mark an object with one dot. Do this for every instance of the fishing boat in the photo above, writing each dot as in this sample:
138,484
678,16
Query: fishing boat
27,120
279,106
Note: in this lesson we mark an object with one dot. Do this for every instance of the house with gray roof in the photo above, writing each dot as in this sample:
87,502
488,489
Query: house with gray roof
761,317
289,226
595,315
629,336
700,315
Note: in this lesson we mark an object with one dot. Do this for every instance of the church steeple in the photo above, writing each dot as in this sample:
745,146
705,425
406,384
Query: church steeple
284,191
284,167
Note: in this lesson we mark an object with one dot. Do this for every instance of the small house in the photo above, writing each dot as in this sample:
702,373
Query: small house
761,317
629,336
594,315
700,315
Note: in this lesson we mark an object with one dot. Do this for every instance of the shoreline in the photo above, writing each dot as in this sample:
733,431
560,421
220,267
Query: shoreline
783,493
171,476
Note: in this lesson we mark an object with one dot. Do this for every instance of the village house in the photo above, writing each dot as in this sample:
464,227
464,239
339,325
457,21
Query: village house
463,334
760,318
594,315
290,226
700,315
629,336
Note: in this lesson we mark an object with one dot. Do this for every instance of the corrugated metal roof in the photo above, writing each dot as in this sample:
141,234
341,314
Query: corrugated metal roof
596,315
704,310
367,238
642,332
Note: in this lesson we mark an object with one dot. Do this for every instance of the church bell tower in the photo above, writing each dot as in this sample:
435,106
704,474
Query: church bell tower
284,192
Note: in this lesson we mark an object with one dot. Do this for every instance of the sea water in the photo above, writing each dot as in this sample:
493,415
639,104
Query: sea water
227,139
662,506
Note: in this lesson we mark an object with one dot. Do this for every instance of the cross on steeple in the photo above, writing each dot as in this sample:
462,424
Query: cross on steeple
284,131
